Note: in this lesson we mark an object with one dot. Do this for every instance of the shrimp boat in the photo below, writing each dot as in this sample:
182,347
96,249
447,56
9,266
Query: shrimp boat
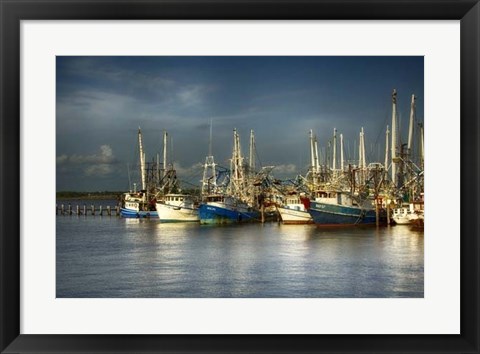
403,215
177,208
139,204
221,209
227,204
293,211
135,205
340,209
336,200
417,217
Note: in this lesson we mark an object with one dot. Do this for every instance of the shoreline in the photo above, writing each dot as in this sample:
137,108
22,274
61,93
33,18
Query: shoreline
90,197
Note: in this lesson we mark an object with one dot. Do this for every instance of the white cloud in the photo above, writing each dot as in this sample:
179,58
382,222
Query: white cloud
62,159
105,156
98,164
98,170
192,95
285,169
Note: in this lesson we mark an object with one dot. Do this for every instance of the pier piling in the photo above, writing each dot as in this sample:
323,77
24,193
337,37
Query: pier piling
388,213
63,209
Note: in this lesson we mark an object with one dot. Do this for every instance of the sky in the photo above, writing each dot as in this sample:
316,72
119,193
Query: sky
102,101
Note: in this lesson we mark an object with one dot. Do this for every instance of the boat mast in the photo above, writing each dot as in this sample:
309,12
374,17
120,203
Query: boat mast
361,156
251,159
334,164
312,152
236,167
386,149
329,156
364,160
142,159
394,136
360,163
422,151
165,147
341,152
317,165
207,186
410,128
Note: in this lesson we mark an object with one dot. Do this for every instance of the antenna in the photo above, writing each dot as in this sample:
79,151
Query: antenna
210,139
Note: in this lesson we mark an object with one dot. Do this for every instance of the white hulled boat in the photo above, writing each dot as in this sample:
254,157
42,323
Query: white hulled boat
177,208
403,215
293,211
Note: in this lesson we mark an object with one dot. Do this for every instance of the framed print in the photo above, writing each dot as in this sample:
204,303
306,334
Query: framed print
246,176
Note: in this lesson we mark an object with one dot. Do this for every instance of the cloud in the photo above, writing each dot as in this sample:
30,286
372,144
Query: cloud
191,95
62,159
285,169
99,170
105,156
98,164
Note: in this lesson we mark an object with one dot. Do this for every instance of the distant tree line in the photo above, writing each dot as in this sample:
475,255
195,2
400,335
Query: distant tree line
87,195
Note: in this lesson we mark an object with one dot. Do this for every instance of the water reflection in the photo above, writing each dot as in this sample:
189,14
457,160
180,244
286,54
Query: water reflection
117,257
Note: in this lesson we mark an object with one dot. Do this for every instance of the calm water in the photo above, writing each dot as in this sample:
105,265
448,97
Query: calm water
114,257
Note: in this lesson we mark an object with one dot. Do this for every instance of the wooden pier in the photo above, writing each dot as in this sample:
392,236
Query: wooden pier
85,210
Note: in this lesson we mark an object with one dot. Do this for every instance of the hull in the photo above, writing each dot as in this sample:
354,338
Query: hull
402,220
324,214
291,216
214,214
168,213
131,213
404,215
418,224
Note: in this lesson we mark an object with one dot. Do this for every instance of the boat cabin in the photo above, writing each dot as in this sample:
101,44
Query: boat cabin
215,198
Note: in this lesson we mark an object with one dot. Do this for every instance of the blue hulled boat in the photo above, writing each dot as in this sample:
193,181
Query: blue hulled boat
129,213
339,209
219,209
339,215
135,206
225,194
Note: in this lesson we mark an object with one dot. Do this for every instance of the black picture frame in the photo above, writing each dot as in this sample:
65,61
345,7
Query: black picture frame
13,11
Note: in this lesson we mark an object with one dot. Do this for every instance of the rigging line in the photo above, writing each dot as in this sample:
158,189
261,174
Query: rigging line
256,155
382,128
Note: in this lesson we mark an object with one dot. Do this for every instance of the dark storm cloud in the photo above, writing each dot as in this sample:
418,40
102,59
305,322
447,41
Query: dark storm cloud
101,102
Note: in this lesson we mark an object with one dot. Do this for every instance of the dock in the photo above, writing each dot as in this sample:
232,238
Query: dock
91,210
